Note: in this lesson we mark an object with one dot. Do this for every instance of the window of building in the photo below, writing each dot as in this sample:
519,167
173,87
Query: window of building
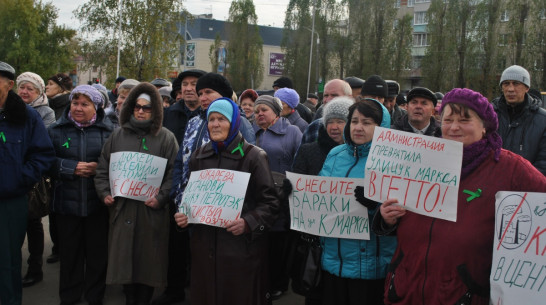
411,3
421,1
504,16
503,39
416,62
420,18
397,4
420,40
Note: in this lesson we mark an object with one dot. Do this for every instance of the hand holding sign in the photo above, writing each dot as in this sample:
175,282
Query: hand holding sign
391,211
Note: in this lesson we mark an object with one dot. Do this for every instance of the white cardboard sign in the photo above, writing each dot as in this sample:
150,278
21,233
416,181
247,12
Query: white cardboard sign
326,206
214,196
136,175
518,271
422,172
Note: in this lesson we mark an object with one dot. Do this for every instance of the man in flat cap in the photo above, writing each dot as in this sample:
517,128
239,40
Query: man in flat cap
26,153
420,119
522,122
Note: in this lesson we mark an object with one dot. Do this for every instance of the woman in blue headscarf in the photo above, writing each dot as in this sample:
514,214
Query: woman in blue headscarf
229,265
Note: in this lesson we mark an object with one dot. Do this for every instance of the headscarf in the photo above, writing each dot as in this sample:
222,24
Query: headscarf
220,105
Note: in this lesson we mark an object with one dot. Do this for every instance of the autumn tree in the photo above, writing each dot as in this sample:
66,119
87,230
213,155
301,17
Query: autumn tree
32,41
213,52
244,47
147,31
488,13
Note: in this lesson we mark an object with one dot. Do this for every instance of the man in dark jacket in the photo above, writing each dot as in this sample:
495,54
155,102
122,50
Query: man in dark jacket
175,119
390,101
522,123
26,153
187,103
420,119
113,94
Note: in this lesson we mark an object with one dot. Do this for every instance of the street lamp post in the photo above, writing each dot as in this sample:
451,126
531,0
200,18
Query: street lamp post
311,49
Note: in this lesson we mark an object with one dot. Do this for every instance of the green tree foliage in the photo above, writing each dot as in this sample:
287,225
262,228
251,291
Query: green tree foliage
488,12
296,43
213,52
244,47
149,35
31,40
401,47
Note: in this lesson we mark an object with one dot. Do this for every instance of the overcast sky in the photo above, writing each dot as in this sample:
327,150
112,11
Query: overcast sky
270,12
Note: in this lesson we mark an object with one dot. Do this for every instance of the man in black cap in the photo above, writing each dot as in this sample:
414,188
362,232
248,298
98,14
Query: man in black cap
356,84
113,94
390,101
26,153
285,82
160,83
419,119
187,103
311,102
176,118
374,87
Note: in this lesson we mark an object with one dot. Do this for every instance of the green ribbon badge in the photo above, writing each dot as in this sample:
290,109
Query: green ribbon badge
144,144
3,137
240,149
67,143
473,195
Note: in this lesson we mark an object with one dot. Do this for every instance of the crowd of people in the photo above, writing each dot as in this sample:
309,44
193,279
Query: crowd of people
198,122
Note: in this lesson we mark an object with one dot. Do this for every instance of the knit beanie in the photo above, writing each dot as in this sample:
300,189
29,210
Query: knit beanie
62,80
393,88
120,79
7,71
34,79
374,85
93,94
215,82
517,73
289,96
102,91
283,82
475,101
223,107
270,101
422,92
337,108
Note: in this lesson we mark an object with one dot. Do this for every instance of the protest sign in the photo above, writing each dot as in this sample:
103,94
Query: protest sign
518,272
136,175
326,206
422,172
214,196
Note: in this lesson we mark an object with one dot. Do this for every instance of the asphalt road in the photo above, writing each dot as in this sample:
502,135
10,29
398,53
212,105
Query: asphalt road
46,292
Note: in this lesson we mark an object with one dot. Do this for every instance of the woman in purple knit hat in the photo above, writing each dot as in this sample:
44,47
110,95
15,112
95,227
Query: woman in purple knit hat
444,262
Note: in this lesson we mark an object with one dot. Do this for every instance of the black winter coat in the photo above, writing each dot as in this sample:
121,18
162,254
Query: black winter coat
523,129
176,117
311,156
74,195
433,129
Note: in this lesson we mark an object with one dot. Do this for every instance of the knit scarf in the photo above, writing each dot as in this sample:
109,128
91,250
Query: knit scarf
475,153
84,124
143,126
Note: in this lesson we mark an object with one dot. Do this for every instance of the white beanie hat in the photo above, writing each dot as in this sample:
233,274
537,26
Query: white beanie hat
517,73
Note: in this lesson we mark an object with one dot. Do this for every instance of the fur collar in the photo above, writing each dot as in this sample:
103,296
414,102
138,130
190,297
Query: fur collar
157,106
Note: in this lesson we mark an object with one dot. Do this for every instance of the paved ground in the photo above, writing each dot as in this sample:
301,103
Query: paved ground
46,292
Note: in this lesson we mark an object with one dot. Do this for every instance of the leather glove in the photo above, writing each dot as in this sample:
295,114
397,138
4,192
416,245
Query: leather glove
359,196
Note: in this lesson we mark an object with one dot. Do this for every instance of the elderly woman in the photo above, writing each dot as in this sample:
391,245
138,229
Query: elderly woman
58,90
280,140
82,219
30,87
354,270
290,100
246,100
139,230
229,265
444,262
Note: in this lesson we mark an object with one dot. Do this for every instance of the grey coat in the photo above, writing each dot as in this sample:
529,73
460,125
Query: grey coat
138,237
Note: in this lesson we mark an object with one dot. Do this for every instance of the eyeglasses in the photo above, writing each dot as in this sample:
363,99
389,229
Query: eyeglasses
145,108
